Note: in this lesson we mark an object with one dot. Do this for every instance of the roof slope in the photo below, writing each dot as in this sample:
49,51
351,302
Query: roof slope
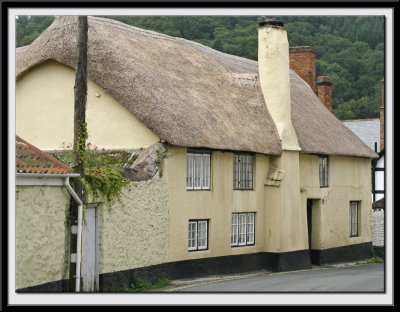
368,130
187,93
30,159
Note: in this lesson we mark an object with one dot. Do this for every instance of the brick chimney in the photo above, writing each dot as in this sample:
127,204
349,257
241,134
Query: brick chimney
382,116
324,85
302,61
273,67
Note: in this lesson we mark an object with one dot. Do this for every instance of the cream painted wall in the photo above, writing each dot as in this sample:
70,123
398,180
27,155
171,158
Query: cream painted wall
42,236
44,112
349,180
150,225
218,204
286,217
133,232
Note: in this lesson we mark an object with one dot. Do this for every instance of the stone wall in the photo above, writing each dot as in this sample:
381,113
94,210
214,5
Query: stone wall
378,227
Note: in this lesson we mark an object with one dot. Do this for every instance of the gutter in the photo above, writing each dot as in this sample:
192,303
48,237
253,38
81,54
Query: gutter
80,205
46,175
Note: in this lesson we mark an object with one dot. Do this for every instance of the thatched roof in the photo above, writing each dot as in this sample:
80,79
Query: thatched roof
187,93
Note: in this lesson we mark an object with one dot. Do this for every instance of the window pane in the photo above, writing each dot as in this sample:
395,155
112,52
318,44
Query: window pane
202,235
197,171
243,172
354,207
234,235
192,235
189,171
250,171
236,172
250,228
323,171
242,229
206,171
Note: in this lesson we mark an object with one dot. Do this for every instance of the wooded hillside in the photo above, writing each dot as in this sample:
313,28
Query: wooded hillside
349,49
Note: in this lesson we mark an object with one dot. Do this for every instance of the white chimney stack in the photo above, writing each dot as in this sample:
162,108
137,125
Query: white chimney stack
273,67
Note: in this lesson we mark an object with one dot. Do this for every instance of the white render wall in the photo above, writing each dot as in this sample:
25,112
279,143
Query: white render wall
42,236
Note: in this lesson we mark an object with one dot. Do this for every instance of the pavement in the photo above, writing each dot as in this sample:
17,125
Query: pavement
182,284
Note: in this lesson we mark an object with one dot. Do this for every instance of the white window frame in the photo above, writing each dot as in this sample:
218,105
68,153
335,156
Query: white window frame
234,229
198,171
243,177
355,207
197,224
240,223
192,224
323,171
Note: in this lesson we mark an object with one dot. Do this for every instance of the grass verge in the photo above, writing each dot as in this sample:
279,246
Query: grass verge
139,285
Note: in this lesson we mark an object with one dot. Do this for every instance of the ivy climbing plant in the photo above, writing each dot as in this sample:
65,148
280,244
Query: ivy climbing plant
102,180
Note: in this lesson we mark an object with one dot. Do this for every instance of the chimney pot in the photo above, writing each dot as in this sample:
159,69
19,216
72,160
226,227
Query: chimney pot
324,87
271,23
324,80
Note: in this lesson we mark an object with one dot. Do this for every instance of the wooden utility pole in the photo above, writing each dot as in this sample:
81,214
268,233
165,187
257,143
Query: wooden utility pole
80,92
80,136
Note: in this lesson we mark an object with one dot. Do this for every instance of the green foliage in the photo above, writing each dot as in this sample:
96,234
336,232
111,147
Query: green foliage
350,49
372,260
102,172
160,156
28,28
139,285
81,142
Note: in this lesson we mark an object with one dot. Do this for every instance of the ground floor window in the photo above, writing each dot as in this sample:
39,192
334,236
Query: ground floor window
242,233
198,234
354,218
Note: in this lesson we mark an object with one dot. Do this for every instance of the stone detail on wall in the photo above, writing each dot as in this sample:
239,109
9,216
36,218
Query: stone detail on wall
378,227
275,177
146,165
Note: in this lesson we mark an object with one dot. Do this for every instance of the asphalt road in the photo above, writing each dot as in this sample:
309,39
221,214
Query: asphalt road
361,278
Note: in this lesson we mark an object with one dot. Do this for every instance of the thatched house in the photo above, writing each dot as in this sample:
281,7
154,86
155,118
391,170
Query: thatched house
259,174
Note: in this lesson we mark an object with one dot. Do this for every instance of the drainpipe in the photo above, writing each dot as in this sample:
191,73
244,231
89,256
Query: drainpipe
79,238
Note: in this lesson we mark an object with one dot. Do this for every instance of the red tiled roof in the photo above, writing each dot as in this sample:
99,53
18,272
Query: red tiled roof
30,159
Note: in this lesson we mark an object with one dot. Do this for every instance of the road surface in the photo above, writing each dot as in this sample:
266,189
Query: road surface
360,278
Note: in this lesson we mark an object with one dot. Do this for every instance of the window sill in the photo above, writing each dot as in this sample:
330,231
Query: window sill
196,250
238,246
